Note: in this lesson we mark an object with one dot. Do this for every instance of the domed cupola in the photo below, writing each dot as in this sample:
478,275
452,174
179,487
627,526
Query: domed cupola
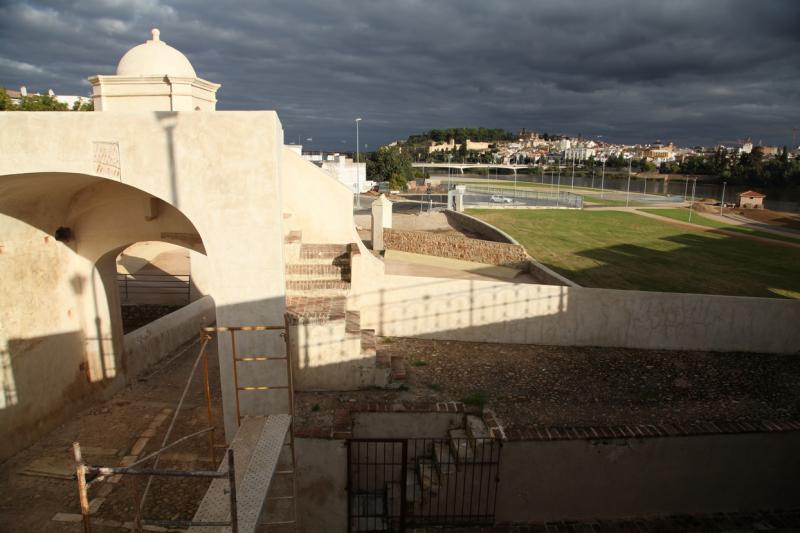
153,76
155,58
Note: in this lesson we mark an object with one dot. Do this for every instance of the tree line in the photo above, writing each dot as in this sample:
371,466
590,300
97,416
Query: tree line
460,135
40,102
742,169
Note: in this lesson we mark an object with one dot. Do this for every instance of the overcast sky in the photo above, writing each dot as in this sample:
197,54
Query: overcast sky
695,72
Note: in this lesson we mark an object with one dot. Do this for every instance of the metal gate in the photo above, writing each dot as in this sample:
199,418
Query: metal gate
393,484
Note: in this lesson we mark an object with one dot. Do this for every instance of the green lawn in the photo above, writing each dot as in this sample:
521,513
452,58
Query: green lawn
683,215
619,250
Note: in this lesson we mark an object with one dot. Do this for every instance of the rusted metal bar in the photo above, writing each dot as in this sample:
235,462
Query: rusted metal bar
280,387
207,390
232,482
290,388
212,329
111,470
235,376
260,358
171,524
83,496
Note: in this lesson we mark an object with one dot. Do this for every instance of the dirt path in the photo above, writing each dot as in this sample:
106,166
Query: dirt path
131,424
718,231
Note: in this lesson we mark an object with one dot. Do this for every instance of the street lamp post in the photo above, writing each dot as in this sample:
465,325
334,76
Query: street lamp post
628,195
722,201
603,180
691,205
358,168
572,185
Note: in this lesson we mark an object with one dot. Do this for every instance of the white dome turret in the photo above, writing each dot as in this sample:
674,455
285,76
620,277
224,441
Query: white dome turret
155,58
153,77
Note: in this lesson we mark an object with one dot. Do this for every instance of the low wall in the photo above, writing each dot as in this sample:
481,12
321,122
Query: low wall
144,346
496,311
597,479
456,247
322,485
470,224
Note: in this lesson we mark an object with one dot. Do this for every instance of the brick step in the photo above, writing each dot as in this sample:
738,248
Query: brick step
324,251
317,285
318,271
315,308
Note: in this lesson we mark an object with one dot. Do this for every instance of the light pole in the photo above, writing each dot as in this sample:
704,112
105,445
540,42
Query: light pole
685,188
572,185
358,168
722,201
603,180
450,159
691,205
628,195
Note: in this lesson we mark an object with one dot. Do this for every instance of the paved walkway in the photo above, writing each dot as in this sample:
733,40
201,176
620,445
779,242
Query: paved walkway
128,426
409,264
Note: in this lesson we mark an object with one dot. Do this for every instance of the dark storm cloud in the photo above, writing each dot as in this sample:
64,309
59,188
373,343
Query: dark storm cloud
690,71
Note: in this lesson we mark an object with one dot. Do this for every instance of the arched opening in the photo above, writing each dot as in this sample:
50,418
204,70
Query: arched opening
62,342
154,279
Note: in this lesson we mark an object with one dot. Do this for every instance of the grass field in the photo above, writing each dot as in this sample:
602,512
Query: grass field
619,250
683,216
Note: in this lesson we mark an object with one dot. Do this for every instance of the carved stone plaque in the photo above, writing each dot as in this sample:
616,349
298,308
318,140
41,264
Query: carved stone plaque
106,159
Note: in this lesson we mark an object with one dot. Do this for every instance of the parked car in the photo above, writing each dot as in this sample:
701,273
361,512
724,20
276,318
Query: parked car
501,199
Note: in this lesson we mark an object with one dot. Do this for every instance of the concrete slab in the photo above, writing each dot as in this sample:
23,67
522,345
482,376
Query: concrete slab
410,264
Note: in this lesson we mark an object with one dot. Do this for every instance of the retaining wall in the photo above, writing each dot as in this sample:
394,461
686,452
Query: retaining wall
502,312
615,478
456,247
146,345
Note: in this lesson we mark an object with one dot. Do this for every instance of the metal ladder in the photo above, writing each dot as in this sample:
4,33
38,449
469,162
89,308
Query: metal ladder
289,387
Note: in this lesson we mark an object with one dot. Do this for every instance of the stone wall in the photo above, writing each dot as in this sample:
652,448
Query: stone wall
456,247
475,226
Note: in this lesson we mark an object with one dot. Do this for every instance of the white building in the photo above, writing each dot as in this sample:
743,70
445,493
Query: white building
348,172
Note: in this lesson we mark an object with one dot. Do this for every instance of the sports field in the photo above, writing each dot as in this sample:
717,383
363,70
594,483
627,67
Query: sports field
619,250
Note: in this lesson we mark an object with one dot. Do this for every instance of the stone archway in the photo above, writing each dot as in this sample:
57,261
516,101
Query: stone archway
61,340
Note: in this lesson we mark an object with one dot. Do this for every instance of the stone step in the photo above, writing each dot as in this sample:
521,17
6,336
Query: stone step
476,429
318,271
428,477
445,463
460,446
317,285
324,251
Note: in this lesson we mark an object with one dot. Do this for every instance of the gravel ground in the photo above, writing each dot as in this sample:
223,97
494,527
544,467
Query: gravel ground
553,385
28,503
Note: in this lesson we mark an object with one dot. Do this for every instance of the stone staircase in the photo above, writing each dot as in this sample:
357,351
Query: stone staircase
329,334
448,479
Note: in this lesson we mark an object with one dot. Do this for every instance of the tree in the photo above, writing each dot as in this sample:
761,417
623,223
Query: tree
388,163
41,102
83,106
5,100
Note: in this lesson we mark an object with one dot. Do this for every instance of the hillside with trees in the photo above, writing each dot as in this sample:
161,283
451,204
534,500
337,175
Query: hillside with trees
460,135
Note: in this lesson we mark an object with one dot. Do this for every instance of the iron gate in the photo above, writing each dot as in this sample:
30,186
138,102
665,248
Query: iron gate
393,484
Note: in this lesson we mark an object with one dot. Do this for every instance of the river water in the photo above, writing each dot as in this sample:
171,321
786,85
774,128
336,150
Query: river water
778,199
